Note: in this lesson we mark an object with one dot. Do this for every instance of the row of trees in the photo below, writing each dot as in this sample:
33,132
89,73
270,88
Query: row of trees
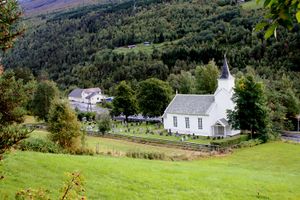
202,80
79,49
151,98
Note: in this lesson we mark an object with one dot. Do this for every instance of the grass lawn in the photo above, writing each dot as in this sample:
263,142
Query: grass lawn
268,171
142,48
252,5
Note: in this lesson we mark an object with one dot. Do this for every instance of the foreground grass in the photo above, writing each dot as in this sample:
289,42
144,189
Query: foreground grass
269,171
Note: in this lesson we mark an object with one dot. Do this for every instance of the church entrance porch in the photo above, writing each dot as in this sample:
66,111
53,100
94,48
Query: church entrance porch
220,128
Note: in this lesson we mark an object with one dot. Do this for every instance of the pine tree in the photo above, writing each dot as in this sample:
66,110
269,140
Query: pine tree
9,15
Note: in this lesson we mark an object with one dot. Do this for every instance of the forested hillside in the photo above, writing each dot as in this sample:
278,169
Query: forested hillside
81,47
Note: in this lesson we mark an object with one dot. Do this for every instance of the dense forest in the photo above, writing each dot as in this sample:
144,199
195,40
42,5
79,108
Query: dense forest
80,47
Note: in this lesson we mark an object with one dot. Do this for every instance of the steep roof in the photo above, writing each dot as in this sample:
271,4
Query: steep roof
91,95
190,104
89,90
224,121
76,93
225,70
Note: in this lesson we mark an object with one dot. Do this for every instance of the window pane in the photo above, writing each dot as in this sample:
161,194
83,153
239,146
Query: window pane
200,123
187,122
175,121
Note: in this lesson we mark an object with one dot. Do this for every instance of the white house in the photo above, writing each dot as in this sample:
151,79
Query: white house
204,115
90,95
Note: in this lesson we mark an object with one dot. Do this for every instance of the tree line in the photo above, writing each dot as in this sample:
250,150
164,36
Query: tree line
78,47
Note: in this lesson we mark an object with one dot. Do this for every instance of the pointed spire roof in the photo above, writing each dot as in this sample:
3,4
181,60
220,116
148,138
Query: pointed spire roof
225,70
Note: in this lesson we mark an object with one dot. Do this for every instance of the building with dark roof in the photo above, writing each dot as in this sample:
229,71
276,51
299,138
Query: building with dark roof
204,115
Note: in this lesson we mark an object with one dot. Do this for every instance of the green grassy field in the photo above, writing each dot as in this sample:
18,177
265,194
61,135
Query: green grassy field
142,48
251,5
268,171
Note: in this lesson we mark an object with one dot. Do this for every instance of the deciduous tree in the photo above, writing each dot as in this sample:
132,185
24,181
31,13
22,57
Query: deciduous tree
206,78
63,124
250,112
45,93
153,97
124,101
280,13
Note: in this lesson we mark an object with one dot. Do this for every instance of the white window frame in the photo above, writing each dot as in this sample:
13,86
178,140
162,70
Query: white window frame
200,123
175,122
187,122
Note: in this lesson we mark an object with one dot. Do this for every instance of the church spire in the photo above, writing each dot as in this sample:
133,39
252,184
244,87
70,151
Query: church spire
225,69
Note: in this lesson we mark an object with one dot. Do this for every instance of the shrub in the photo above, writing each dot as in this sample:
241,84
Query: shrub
230,141
146,155
81,151
40,145
250,143
104,123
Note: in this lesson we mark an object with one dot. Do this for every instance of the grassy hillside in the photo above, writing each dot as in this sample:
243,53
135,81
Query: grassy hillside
253,4
269,171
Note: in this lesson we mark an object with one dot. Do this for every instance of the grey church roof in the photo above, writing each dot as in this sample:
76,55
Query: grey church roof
76,93
225,70
224,121
190,104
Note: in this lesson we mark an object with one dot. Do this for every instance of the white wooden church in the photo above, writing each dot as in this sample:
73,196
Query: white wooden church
204,115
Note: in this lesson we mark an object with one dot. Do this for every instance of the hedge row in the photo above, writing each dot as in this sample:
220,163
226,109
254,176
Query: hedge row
231,141
40,145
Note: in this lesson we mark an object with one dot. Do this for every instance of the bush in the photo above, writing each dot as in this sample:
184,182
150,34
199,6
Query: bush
250,143
230,141
104,123
146,155
82,151
40,145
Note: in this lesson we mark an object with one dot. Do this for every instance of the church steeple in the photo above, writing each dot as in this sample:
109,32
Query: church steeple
226,81
225,70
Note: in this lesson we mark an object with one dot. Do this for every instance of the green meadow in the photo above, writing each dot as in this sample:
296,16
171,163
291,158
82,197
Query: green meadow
253,4
268,171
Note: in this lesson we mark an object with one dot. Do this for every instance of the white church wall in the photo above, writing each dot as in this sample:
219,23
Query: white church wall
193,120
